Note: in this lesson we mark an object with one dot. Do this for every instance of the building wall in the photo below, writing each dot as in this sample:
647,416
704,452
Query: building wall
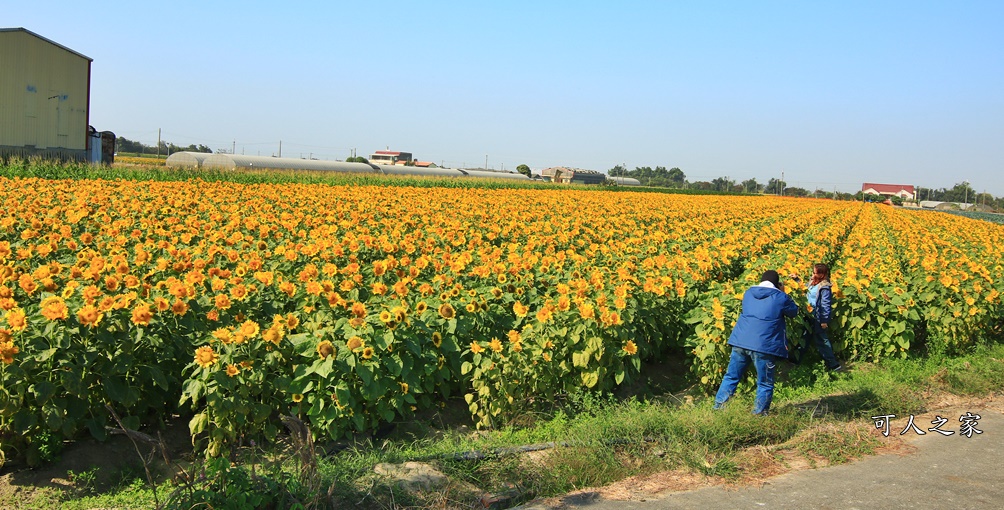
43,97
904,194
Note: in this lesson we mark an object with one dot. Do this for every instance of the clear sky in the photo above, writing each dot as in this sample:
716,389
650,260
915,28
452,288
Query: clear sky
831,93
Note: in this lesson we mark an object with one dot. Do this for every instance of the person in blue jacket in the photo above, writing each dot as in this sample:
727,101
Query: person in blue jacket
758,338
820,298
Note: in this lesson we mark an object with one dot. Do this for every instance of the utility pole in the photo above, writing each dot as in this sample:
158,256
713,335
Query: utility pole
781,184
233,148
158,142
486,162
280,149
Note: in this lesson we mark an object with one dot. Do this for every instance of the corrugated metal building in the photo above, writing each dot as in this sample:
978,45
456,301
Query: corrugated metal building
44,97
573,175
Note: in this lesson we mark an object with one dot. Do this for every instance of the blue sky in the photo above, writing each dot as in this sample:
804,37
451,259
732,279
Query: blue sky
833,94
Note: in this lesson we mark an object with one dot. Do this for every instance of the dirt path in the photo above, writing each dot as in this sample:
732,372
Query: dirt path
909,471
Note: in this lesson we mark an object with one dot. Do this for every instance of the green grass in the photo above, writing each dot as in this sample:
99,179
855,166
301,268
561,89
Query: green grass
151,155
991,217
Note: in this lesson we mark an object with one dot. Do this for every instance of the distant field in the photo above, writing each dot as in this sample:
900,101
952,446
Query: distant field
152,169
139,159
991,217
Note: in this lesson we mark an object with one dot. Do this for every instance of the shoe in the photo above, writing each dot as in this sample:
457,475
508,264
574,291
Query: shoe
717,406
838,369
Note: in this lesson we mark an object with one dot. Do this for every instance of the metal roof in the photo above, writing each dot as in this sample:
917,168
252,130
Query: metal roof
187,158
887,188
50,41
419,170
495,175
231,161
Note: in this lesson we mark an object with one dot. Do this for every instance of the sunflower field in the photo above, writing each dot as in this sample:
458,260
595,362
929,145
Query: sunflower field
356,305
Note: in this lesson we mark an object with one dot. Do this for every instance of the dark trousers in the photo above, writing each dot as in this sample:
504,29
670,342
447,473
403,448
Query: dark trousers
817,335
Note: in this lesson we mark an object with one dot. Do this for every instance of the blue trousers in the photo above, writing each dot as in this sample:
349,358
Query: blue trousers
740,360
822,342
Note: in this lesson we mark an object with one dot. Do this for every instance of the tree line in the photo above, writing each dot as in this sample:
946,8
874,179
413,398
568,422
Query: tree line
676,178
123,144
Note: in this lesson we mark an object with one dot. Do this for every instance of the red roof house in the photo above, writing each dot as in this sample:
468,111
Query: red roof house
904,191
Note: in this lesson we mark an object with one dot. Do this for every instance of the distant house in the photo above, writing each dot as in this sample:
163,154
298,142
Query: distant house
573,175
426,164
390,158
904,191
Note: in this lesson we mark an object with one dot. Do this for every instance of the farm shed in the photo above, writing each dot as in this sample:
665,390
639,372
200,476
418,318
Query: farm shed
44,97
187,159
417,170
389,157
488,174
573,175
234,161
624,181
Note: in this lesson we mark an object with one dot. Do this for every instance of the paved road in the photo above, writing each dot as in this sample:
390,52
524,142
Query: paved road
942,473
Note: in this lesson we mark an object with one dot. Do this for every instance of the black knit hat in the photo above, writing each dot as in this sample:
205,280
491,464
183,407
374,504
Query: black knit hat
771,276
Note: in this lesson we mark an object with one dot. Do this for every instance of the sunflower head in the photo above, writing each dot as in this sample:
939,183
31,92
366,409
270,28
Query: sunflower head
630,348
325,348
354,343
206,357
446,311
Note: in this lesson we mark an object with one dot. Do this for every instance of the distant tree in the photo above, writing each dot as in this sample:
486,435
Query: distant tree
643,174
356,159
984,198
677,177
775,186
723,184
123,144
194,148
961,192
523,169
751,186
648,176
796,192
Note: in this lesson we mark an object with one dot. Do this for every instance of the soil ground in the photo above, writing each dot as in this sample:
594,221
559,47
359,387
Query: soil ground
904,459
115,461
